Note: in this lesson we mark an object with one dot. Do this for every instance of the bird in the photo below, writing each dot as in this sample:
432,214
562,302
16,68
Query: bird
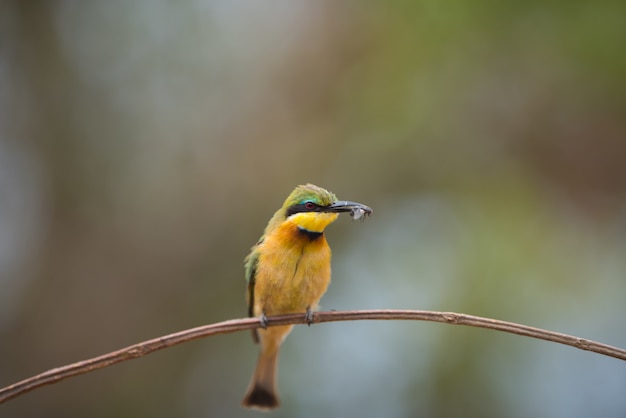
288,271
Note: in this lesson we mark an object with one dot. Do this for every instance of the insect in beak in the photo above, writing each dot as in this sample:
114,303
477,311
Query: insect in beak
358,213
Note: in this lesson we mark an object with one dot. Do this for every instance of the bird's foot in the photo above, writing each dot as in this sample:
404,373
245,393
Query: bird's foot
263,319
308,316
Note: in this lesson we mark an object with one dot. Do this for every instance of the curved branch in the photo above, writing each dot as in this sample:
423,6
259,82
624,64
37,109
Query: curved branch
226,327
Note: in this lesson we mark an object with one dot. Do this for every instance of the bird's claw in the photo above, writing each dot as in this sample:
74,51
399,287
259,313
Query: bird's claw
263,320
308,316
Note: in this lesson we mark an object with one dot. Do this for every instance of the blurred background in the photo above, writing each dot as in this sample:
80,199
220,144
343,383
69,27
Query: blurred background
144,145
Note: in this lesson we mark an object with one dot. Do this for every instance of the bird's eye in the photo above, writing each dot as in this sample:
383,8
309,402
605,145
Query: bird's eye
309,205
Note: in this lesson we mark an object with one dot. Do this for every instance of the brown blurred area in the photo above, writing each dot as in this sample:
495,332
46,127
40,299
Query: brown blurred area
144,145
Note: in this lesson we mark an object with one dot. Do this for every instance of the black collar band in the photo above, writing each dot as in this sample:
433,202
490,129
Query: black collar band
310,234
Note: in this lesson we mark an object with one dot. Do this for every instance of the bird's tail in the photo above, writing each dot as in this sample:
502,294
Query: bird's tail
262,390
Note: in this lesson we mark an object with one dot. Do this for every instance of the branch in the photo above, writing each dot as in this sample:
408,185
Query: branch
227,327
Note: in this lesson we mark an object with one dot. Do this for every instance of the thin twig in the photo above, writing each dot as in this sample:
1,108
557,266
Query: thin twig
226,327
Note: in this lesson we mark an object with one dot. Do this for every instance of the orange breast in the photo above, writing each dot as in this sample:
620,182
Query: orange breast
293,271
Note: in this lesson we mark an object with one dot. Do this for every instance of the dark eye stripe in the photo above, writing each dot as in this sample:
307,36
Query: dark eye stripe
302,207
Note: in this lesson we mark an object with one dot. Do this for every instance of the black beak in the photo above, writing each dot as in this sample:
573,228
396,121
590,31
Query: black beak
356,209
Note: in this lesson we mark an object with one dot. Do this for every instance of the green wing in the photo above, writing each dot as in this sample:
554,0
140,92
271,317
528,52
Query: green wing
251,262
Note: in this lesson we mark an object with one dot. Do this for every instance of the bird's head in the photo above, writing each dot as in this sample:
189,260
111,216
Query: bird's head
312,208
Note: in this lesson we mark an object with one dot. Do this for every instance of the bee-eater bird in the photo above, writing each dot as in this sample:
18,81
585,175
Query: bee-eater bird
288,271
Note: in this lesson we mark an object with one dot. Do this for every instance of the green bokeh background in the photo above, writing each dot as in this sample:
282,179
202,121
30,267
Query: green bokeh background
145,144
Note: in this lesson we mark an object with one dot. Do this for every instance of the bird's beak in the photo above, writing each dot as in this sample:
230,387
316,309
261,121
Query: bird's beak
356,210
